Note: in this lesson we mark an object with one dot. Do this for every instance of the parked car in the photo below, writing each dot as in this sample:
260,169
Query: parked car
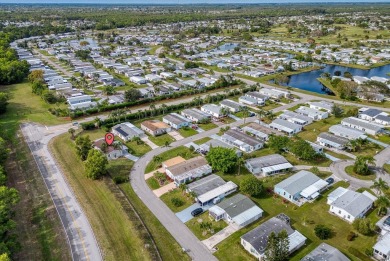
197,212
330,180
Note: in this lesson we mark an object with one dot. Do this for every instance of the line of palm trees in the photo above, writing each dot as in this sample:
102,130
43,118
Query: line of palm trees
383,202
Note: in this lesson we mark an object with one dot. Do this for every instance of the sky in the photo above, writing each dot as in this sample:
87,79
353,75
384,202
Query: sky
180,1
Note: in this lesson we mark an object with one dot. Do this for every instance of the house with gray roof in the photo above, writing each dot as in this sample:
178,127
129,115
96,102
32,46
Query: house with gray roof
374,115
213,143
348,204
274,93
213,110
261,132
332,141
295,118
256,240
188,170
205,184
347,132
268,165
241,140
127,131
195,115
312,113
176,121
261,98
238,209
300,187
251,101
231,105
363,125
322,105
285,126
325,252
382,248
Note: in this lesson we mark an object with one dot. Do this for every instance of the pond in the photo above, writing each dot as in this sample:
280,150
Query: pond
308,80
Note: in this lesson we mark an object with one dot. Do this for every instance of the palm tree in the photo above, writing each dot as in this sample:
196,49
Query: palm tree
72,131
380,185
261,113
164,107
240,162
98,122
382,203
152,108
245,112
352,145
183,187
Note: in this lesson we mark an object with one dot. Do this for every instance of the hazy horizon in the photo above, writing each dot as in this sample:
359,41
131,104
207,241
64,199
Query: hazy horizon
180,2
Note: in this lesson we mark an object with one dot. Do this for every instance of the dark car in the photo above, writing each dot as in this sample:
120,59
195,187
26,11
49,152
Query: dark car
197,212
330,180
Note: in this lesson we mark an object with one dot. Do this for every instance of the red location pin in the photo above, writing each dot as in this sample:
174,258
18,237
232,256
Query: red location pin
109,138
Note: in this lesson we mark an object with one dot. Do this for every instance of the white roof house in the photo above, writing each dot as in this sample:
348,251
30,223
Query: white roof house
349,205
219,192
363,125
322,105
285,126
312,113
274,93
295,118
213,110
241,140
268,165
382,248
231,105
347,132
126,131
325,252
332,141
238,209
300,187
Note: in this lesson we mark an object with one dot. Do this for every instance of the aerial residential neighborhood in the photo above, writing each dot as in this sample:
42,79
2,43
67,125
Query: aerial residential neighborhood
214,130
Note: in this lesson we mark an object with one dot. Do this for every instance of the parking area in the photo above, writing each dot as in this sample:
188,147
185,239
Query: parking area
176,135
185,215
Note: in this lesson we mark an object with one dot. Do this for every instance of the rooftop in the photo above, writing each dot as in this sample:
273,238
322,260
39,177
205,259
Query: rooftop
325,252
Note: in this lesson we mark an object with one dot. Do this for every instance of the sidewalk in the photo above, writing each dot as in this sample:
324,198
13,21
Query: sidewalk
149,143
161,191
214,240
150,174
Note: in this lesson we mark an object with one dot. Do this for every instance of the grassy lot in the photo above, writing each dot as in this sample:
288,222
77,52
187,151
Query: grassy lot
323,162
302,220
177,193
201,141
207,126
153,183
352,173
161,140
169,249
227,120
137,149
311,131
187,132
368,149
270,105
387,168
25,106
383,138
337,155
195,226
179,151
119,167
101,207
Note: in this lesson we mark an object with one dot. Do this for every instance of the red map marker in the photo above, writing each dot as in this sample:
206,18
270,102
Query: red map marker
109,138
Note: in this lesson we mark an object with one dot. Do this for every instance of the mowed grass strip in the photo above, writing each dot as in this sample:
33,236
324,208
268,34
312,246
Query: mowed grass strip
117,236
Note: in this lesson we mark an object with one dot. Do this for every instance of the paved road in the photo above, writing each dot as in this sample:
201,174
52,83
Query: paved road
79,233
53,64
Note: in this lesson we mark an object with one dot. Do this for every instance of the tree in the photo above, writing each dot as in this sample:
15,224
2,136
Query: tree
4,151
83,146
278,143
96,164
277,247
245,112
302,149
337,111
72,131
361,165
382,203
363,226
36,76
108,90
222,159
380,185
251,185
322,232
132,95
4,97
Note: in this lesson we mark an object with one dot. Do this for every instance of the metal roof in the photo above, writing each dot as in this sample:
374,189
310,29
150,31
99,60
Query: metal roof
221,190
345,131
362,123
325,252
353,202
383,245
285,125
206,184
267,161
298,182
333,138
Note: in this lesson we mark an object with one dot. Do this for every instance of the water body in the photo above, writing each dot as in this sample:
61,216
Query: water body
308,80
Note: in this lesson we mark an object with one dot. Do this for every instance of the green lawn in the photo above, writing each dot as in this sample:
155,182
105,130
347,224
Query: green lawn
337,155
177,193
207,126
168,247
187,132
137,149
120,168
304,221
349,171
101,207
179,151
201,141
195,226
152,183
310,132
387,168
270,105
161,140
368,149
25,106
